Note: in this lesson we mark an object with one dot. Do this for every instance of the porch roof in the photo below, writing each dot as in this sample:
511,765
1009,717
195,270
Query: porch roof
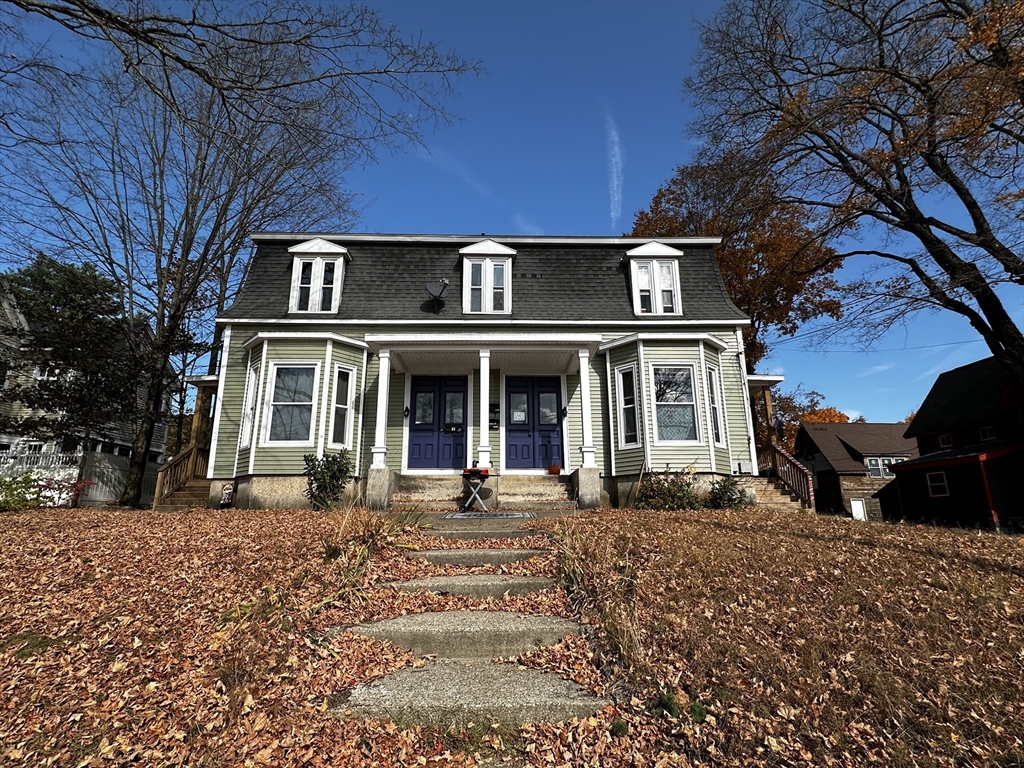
447,353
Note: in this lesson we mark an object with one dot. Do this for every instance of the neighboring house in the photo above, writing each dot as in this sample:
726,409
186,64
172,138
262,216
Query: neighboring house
106,464
970,432
587,357
851,466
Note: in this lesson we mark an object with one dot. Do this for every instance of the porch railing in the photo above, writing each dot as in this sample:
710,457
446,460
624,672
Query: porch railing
794,475
190,463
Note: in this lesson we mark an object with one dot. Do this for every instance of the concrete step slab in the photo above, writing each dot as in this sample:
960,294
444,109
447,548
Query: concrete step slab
456,693
456,534
474,558
480,586
469,634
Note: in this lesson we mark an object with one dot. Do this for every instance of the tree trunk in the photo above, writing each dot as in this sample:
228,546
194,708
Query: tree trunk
141,443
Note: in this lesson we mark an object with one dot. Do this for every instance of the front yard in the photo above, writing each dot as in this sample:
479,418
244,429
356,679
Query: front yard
203,638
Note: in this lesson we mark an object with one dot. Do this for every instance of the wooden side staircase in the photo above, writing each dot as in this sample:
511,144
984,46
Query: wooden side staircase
194,493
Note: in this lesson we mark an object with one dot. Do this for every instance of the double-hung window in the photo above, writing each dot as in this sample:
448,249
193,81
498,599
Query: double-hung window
341,408
937,484
629,430
291,403
487,288
675,403
315,285
655,286
714,405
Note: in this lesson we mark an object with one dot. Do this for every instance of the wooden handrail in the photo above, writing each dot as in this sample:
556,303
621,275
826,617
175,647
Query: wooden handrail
794,475
190,463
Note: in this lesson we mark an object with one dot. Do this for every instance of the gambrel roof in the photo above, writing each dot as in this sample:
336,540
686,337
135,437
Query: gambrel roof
553,278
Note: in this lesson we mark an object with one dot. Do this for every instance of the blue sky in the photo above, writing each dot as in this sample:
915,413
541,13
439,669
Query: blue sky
578,119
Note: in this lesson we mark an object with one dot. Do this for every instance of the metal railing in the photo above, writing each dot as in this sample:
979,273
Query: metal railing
191,463
794,475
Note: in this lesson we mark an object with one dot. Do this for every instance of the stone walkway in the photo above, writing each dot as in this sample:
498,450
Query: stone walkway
460,683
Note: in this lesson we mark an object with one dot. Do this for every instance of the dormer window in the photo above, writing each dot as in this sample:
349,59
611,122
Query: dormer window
317,272
655,280
486,278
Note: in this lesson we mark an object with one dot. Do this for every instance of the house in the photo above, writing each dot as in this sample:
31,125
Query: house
851,466
106,463
970,434
588,358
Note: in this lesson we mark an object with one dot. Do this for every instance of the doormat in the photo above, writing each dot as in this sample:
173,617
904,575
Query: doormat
481,515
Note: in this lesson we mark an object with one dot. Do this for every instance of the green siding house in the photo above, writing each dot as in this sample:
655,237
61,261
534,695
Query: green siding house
592,358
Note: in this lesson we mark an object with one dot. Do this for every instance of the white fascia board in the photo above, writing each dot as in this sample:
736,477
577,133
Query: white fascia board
319,246
487,248
634,337
653,248
762,380
566,340
304,336
471,239
481,322
204,380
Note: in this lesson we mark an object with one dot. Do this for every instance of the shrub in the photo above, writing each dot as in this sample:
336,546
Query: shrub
669,491
726,493
18,493
326,478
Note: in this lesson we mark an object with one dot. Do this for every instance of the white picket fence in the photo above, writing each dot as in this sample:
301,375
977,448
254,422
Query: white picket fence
105,472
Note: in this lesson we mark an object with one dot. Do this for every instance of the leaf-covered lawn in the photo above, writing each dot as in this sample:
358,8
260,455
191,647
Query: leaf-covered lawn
205,639
794,639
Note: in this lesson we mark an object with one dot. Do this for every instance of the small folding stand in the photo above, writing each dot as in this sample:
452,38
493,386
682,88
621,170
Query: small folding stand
474,479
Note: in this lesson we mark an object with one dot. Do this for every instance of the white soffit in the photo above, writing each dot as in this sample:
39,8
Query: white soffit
318,245
654,248
487,248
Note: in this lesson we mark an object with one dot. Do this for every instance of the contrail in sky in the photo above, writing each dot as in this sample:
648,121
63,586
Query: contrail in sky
614,168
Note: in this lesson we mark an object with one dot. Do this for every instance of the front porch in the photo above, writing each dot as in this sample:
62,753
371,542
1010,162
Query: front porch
515,404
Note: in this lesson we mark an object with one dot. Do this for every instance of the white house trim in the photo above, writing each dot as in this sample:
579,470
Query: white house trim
259,409
635,337
300,336
265,441
487,248
709,428
654,249
748,416
587,448
470,239
482,320
358,436
380,440
328,375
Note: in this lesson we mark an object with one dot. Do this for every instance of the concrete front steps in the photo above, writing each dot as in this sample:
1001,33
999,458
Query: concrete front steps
195,493
773,494
460,684
446,492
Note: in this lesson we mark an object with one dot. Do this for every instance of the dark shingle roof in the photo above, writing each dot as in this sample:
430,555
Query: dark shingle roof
845,445
964,396
552,279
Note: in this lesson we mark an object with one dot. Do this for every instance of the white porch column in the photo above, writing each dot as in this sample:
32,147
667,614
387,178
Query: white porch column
380,439
484,449
587,449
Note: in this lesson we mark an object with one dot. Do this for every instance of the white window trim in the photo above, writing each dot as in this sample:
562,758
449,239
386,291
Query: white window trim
654,403
945,484
655,266
987,433
332,405
265,441
945,441
249,404
620,407
715,392
316,284
487,291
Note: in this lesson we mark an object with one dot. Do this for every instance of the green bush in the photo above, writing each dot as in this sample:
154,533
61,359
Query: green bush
726,493
20,493
326,478
669,491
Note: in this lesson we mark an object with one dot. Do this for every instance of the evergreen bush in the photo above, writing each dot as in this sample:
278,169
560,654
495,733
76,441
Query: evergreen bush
326,478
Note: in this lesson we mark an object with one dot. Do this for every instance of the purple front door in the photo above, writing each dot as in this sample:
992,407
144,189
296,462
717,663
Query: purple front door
533,422
437,422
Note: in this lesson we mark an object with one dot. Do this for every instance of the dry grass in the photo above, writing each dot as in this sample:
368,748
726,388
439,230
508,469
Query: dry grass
795,639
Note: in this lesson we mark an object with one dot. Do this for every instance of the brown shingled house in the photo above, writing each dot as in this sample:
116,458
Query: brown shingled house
851,465
970,432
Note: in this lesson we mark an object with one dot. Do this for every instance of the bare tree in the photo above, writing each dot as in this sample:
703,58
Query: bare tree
901,117
157,175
